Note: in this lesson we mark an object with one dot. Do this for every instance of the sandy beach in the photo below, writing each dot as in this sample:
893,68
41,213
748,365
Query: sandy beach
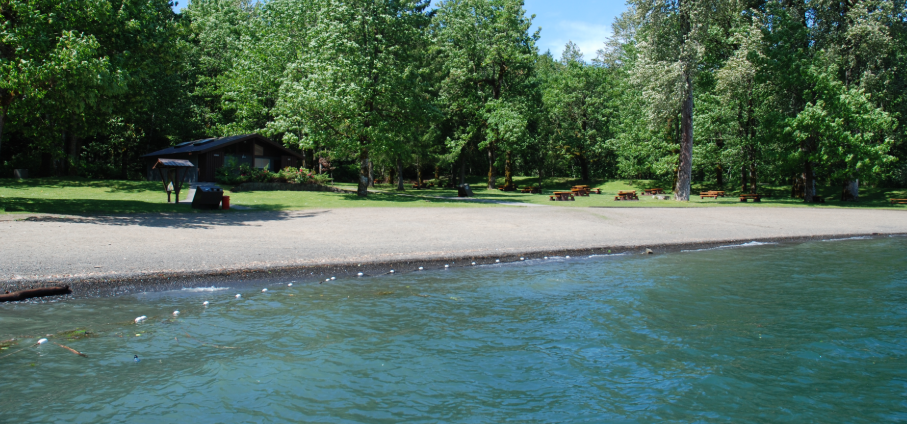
155,248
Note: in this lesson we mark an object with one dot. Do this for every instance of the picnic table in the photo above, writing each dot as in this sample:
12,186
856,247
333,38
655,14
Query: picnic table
754,197
562,196
580,190
530,189
653,191
898,201
713,194
626,195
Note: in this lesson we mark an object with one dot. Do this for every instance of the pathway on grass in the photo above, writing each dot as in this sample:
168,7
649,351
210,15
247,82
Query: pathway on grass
129,245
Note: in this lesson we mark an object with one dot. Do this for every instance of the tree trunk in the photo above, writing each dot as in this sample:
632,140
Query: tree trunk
419,173
809,183
2,120
438,174
685,172
400,174
719,167
73,148
753,179
462,169
362,189
492,179
508,172
744,184
371,174
851,190
583,167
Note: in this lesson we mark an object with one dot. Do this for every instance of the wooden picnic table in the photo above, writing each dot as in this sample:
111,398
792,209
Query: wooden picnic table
898,201
653,191
530,190
753,197
580,190
712,193
562,196
626,195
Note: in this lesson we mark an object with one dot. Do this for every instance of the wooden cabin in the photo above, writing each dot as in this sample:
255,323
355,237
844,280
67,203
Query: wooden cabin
211,153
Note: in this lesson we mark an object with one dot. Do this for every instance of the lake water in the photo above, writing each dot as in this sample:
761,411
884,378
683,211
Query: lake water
811,332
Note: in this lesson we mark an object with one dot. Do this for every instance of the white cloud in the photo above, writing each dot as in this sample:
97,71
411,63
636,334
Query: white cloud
590,38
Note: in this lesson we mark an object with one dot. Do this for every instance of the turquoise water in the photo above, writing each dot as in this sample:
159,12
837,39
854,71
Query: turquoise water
813,332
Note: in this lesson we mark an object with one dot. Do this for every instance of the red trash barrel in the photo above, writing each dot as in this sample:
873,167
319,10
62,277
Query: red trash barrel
226,202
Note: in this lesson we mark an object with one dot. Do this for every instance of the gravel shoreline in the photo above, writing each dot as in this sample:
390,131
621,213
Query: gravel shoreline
618,233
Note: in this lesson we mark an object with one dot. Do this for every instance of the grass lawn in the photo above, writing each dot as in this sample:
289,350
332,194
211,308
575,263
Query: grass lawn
774,195
78,196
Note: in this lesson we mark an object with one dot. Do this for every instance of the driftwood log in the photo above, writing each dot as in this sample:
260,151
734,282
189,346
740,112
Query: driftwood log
31,293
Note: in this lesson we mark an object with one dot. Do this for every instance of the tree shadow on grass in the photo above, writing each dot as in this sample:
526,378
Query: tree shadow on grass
146,214
112,186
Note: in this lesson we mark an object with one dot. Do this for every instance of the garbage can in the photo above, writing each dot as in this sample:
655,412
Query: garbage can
226,202
207,197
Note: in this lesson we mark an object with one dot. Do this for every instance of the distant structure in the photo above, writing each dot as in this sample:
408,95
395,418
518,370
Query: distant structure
211,153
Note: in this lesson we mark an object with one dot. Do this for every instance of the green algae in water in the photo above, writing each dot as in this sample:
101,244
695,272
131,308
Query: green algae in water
813,332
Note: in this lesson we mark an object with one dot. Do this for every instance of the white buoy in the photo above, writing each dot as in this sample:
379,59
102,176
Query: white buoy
327,280
238,296
522,259
290,285
176,313
264,290
140,319
546,257
333,278
473,263
446,266
497,260
359,274
392,271
42,341
205,303
568,256
420,268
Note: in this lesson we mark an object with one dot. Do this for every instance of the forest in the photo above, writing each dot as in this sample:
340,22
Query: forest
732,94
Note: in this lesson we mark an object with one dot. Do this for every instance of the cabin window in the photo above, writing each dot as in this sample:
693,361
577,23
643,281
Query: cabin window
263,163
259,150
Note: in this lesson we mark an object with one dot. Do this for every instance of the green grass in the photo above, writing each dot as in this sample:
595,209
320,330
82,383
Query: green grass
87,197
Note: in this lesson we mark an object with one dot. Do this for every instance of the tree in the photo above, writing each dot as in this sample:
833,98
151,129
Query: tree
488,57
354,81
673,36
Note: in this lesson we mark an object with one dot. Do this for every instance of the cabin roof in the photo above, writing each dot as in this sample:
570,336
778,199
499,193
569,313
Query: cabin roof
208,144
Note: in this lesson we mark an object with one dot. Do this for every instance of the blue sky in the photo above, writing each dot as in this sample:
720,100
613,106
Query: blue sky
586,22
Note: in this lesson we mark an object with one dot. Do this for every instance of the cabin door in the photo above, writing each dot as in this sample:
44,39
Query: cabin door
217,161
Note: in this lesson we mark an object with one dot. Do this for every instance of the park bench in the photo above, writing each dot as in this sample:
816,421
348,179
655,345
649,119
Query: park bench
562,196
753,197
653,191
626,195
530,190
898,201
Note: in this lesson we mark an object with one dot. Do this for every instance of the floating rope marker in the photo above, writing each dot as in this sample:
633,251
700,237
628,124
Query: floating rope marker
140,319
290,285
333,278
392,271
521,258
238,296
264,290
136,358
546,257
42,341
205,303
359,274
176,313
473,263
497,261
568,256
420,268
446,266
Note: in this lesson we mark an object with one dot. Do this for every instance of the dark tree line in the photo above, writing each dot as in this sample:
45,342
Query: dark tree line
733,94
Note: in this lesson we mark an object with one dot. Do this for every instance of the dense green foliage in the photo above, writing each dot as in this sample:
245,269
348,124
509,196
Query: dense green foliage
729,94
